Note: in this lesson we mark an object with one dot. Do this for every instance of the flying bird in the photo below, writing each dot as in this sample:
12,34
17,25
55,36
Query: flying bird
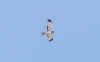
49,31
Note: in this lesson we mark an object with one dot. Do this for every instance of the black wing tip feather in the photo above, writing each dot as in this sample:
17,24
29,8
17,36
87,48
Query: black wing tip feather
50,40
49,20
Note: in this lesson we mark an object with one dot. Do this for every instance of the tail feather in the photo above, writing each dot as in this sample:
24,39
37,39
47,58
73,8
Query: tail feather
43,33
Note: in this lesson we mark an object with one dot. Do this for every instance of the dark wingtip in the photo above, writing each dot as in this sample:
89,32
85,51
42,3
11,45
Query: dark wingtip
49,20
50,40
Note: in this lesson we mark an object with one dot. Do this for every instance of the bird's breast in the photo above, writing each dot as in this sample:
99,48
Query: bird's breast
49,32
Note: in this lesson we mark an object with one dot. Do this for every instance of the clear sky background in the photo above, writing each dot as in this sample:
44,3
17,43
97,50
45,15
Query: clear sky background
76,24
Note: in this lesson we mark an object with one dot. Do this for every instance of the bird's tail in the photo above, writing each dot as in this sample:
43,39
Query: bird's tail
43,33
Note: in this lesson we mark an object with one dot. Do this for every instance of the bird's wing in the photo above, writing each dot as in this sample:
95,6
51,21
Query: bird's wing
49,26
50,37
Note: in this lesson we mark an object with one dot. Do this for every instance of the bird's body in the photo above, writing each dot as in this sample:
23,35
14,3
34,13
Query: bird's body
49,30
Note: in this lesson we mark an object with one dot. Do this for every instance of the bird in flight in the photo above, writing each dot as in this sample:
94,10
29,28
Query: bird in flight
49,31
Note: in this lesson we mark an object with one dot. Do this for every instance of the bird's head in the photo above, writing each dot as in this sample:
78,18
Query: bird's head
52,31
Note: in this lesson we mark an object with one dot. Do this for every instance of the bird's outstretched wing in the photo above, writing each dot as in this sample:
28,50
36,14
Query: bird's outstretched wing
49,26
50,37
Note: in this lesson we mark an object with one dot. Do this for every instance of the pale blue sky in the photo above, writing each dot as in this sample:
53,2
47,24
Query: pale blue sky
76,24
